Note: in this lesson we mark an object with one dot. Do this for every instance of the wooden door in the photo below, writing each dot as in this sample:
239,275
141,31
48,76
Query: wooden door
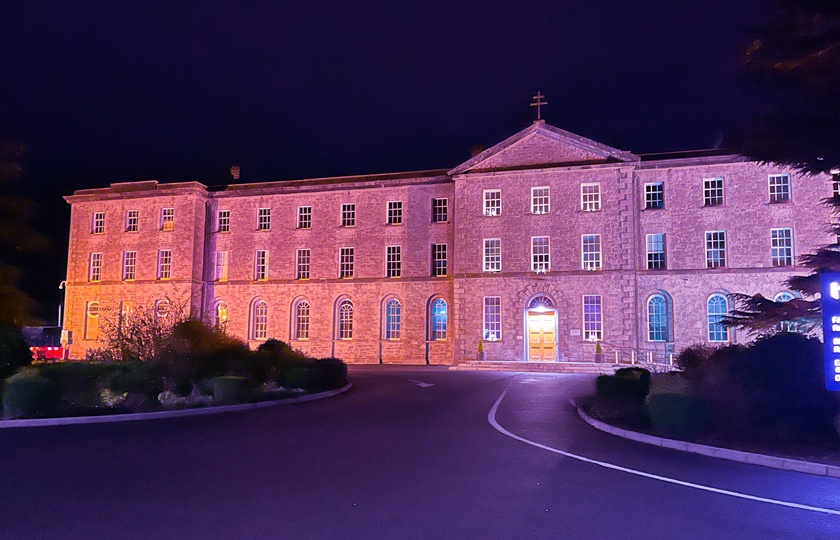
541,339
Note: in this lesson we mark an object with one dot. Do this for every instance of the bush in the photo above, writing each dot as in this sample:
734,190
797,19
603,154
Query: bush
14,352
681,416
631,384
304,378
229,389
27,395
331,373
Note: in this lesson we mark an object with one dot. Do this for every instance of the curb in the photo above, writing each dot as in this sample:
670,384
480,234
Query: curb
132,417
775,462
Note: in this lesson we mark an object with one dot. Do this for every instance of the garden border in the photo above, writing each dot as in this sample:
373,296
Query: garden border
202,411
775,462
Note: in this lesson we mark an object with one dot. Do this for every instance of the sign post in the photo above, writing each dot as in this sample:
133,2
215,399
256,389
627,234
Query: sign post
830,303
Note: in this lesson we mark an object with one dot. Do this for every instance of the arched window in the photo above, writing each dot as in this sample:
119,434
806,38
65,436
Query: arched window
540,301
657,318
716,308
301,320
393,319
345,319
260,318
92,321
439,319
161,309
782,297
220,315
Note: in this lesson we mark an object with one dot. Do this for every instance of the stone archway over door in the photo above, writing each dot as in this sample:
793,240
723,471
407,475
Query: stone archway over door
540,329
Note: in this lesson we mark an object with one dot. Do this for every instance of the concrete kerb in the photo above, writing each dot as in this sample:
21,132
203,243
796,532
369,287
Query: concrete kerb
775,462
105,419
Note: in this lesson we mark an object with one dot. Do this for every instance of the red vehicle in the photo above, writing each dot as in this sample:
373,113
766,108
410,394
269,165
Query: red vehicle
44,343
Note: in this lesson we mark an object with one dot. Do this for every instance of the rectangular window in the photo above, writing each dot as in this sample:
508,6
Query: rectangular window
393,262
593,327
712,191
591,251
540,254
715,249
164,264
590,197
302,264
440,210
223,221
132,218
345,262
492,202
221,270
438,260
95,270
129,265
261,265
492,318
781,246
98,224
835,186
395,214
348,215
492,255
304,220
540,200
264,219
656,251
779,188
654,196
167,219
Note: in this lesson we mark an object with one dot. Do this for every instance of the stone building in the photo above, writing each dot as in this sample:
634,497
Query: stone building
540,247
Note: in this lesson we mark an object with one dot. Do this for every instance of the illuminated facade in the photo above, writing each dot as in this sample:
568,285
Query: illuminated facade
540,246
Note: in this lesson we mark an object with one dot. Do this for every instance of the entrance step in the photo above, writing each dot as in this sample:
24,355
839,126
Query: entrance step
539,367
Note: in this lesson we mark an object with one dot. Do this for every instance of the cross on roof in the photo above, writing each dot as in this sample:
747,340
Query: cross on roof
538,103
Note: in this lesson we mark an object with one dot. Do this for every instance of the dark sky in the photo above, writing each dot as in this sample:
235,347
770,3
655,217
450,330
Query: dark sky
103,91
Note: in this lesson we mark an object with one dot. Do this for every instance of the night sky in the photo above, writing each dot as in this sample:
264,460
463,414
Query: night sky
103,92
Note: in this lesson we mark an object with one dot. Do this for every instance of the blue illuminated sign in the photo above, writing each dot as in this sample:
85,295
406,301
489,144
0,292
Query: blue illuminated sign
830,300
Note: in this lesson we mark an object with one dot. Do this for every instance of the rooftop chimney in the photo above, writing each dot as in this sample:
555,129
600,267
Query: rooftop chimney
234,172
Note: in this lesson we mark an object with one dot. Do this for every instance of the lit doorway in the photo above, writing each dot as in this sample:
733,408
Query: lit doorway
541,329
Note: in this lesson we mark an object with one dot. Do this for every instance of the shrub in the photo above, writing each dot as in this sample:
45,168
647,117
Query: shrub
630,385
229,389
305,378
694,358
681,416
331,373
26,395
14,353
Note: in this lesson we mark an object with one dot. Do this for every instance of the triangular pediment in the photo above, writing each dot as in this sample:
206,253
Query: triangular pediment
541,145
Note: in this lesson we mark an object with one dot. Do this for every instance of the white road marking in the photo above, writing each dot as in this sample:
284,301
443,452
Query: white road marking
491,417
421,384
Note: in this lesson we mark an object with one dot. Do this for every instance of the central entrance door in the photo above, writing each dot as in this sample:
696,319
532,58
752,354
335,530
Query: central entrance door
542,342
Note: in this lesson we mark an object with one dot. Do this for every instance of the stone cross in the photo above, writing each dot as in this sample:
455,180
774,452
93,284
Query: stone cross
538,103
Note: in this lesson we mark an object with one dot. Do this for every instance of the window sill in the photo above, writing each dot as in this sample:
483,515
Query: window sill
779,202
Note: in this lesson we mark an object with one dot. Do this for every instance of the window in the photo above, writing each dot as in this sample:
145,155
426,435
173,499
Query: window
264,219
95,270
712,191
164,264
345,320
655,251
492,255
393,263
393,323
395,213
715,249
716,309
304,220
132,217
654,196
657,309
540,254
261,265
785,326
779,188
781,247
591,251
92,321
221,269
98,225
220,315
167,219
348,215
592,320
493,202
438,320
302,264
345,263
260,317
540,200
835,186
161,309
129,265
301,329
223,221
440,210
438,260
492,318
590,197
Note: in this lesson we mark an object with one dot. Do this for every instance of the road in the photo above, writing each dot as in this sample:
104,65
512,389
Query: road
407,453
